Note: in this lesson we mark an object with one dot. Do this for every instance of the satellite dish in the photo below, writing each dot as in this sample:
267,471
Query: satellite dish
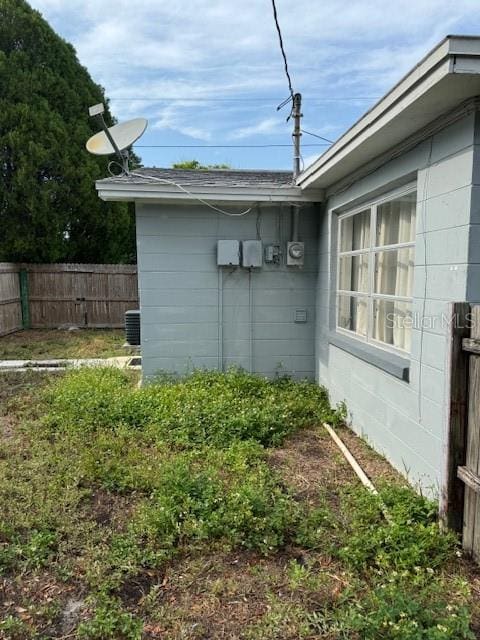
123,135
114,139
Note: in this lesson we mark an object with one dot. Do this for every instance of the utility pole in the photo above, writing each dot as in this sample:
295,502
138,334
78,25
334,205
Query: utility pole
297,134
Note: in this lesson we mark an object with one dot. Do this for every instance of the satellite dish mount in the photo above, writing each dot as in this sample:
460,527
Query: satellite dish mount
116,139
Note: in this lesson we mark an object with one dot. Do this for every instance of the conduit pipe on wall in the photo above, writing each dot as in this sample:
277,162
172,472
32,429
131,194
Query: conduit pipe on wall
295,214
220,319
250,321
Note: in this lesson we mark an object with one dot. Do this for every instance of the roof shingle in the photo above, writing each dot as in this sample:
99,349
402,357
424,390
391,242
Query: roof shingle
207,178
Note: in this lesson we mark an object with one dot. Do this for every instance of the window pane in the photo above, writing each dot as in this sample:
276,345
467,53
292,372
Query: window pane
396,220
394,272
392,323
353,274
352,314
355,232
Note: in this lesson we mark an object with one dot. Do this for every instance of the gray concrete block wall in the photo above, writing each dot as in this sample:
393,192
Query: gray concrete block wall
192,317
473,282
405,421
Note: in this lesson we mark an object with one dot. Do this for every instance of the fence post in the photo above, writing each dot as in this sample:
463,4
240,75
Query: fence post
23,277
470,474
455,440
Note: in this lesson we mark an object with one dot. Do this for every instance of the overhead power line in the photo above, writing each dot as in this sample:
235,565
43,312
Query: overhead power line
315,135
220,146
272,99
282,48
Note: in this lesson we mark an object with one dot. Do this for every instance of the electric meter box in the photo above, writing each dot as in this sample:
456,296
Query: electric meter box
228,253
252,253
295,254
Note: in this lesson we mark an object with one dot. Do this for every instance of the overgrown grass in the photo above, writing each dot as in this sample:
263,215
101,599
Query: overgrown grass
398,584
206,408
182,469
40,344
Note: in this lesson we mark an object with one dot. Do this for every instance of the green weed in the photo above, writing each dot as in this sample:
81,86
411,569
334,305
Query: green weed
403,606
110,622
14,628
186,460
397,589
204,408
410,538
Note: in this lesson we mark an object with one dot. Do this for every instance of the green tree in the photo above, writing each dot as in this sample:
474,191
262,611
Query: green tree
195,165
49,209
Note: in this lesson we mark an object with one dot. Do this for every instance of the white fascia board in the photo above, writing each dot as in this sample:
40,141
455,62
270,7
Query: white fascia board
130,192
453,55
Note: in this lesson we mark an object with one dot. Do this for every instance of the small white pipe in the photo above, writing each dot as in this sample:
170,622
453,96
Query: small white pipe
364,479
353,463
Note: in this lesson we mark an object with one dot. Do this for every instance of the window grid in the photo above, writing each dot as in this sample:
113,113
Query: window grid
371,251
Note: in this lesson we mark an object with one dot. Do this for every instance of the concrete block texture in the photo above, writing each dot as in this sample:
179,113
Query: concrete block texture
196,314
405,420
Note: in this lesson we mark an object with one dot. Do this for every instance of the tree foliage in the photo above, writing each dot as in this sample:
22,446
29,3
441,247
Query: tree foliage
195,165
49,209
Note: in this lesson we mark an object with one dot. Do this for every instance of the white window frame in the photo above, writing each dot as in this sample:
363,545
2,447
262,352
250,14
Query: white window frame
372,249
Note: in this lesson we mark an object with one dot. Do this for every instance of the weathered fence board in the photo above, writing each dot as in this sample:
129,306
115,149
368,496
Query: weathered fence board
10,302
455,437
471,517
84,295
460,499
460,502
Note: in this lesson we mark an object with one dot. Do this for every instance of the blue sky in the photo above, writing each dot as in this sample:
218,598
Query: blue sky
209,72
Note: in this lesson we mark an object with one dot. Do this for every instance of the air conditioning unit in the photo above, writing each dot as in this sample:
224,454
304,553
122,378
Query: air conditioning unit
132,327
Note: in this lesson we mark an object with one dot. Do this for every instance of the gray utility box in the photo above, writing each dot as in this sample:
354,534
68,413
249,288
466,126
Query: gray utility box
228,253
252,253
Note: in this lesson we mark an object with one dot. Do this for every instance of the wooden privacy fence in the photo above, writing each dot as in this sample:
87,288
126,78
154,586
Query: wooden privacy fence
10,299
52,295
460,504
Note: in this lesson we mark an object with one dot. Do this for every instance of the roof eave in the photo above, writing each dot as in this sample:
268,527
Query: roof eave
455,55
148,192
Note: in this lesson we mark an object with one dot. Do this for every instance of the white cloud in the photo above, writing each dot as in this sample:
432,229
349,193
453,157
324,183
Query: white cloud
209,49
267,126
172,117
310,159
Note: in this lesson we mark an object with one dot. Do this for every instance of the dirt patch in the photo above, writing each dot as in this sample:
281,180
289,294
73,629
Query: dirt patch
16,384
375,466
219,597
71,615
7,427
39,601
136,588
471,572
103,505
108,509
311,463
